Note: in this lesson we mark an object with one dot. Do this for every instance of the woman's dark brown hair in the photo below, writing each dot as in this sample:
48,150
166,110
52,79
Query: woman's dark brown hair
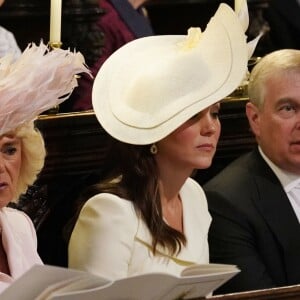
137,170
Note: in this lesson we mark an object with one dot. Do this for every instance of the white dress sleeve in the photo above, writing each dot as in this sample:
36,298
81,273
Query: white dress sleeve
19,241
103,237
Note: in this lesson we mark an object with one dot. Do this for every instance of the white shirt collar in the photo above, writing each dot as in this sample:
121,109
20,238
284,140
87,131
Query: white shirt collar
287,180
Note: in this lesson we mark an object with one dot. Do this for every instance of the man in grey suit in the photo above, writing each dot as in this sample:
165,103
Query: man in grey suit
255,201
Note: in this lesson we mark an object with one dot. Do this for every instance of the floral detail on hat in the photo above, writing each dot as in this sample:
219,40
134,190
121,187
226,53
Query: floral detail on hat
192,39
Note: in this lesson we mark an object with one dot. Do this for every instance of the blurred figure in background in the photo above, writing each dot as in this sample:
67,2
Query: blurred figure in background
8,42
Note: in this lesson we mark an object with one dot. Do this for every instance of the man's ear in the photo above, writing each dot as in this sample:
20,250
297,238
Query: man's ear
253,116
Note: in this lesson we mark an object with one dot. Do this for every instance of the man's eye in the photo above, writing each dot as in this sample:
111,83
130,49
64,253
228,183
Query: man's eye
287,110
288,107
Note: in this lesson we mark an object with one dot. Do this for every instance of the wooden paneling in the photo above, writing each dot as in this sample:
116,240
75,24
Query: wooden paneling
76,143
282,293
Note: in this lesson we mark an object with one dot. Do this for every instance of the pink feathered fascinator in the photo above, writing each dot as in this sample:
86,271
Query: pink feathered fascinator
38,80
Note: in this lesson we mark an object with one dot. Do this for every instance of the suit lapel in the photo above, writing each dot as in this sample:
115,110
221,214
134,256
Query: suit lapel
275,207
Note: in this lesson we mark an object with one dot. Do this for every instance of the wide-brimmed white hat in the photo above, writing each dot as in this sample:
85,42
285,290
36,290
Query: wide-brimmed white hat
150,86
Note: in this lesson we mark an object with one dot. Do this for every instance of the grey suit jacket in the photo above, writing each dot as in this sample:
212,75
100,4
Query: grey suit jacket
254,226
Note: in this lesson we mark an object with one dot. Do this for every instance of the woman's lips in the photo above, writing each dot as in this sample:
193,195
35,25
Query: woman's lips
3,185
206,147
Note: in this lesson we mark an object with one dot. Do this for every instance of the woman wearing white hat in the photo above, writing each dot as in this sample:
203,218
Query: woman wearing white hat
38,80
158,98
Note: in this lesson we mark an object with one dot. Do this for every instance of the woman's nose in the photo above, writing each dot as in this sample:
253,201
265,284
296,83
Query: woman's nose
209,125
2,164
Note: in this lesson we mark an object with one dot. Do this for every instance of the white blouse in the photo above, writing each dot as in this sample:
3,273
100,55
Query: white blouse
111,240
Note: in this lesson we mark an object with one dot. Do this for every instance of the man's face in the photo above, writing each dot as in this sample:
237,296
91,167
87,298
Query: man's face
277,124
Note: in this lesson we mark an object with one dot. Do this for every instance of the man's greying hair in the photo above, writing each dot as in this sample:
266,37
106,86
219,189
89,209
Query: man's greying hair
285,60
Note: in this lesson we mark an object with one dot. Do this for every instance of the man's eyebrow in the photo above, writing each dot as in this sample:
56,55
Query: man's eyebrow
287,100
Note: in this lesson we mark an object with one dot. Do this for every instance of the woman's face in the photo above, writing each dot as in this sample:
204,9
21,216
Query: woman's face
193,144
10,164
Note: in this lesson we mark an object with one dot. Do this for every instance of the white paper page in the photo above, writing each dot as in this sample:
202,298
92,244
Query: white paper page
207,269
38,278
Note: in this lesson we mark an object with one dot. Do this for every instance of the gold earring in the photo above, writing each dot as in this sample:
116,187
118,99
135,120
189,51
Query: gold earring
153,149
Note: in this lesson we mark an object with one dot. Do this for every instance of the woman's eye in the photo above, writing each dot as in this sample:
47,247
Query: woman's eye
10,150
215,114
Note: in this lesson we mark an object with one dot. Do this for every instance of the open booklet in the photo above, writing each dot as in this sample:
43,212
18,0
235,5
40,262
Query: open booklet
43,282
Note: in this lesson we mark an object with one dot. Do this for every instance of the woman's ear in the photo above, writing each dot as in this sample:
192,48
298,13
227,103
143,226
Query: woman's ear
253,116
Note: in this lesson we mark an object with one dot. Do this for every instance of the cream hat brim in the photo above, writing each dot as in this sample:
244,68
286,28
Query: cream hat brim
152,85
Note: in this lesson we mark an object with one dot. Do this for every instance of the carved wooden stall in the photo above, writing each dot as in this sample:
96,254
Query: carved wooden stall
80,144
282,293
